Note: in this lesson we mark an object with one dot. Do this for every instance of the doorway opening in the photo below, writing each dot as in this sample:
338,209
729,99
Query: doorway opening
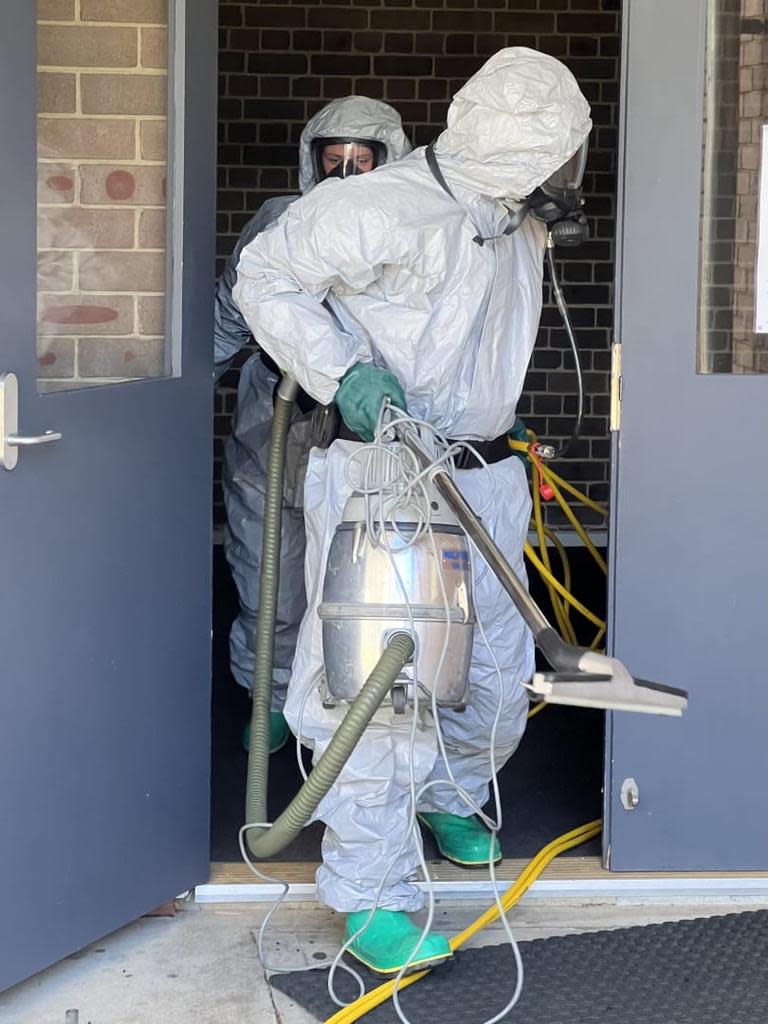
280,65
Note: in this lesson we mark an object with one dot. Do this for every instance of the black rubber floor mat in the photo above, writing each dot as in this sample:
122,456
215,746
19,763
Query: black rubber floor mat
706,971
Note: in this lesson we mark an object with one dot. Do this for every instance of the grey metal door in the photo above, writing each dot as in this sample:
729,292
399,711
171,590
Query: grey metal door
105,561
690,535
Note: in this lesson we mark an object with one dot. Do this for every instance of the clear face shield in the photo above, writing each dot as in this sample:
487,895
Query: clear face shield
345,157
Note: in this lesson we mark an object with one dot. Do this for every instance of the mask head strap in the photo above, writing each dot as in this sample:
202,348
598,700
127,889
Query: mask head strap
515,219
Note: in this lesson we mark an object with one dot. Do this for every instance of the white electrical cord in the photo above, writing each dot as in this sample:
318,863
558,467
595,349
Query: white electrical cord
404,491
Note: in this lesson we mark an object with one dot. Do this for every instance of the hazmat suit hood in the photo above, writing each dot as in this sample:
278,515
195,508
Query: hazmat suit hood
356,117
513,124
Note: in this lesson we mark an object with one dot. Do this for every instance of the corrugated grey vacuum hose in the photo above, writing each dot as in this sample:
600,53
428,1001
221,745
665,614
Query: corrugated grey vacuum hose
399,650
268,842
261,689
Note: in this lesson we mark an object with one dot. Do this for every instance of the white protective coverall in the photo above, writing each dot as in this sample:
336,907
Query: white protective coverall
245,453
393,256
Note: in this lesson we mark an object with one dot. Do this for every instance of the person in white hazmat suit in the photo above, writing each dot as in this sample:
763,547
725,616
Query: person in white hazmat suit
399,285
349,136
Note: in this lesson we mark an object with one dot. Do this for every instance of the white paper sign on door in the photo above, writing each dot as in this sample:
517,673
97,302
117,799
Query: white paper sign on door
761,266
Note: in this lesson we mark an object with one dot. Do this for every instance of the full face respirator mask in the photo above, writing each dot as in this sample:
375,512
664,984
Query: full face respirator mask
559,200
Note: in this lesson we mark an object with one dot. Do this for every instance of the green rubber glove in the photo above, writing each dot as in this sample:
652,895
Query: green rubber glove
362,390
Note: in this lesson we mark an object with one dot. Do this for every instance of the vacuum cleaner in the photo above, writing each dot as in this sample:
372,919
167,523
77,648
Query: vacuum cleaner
377,646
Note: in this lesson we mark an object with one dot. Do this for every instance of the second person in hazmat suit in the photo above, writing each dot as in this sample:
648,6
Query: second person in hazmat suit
349,136
419,283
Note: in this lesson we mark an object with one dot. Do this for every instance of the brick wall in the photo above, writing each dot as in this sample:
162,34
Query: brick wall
102,88
281,63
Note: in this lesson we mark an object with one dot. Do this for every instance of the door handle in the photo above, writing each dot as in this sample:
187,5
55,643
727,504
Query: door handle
10,439
28,442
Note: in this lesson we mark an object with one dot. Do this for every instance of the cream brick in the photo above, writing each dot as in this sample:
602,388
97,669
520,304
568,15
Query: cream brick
55,357
55,271
56,94
55,183
749,158
121,357
154,48
151,309
95,138
55,10
753,8
122,272
62,227
152,12
85,314
87,46
123,94
152,229
752,104
752,53
153,140
122,185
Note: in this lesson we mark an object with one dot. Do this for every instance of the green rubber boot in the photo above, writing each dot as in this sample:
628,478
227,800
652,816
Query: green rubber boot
465,841
278,732
390,939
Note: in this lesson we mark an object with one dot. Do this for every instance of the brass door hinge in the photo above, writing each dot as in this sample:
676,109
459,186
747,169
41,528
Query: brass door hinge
616,386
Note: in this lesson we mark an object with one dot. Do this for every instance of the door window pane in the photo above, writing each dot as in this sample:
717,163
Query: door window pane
733,285
101,224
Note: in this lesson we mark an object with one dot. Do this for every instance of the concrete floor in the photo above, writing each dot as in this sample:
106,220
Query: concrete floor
202,965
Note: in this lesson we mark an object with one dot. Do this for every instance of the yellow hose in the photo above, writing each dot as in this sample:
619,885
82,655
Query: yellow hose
525,880
533,557
560,595
536,708
562,623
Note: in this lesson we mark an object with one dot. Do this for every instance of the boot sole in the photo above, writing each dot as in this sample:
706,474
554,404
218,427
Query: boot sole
415,965
454,860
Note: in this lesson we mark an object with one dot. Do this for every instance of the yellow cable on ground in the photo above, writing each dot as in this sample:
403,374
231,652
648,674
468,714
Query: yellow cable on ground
525,880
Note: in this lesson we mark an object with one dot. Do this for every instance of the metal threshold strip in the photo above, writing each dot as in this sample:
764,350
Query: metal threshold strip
570,878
